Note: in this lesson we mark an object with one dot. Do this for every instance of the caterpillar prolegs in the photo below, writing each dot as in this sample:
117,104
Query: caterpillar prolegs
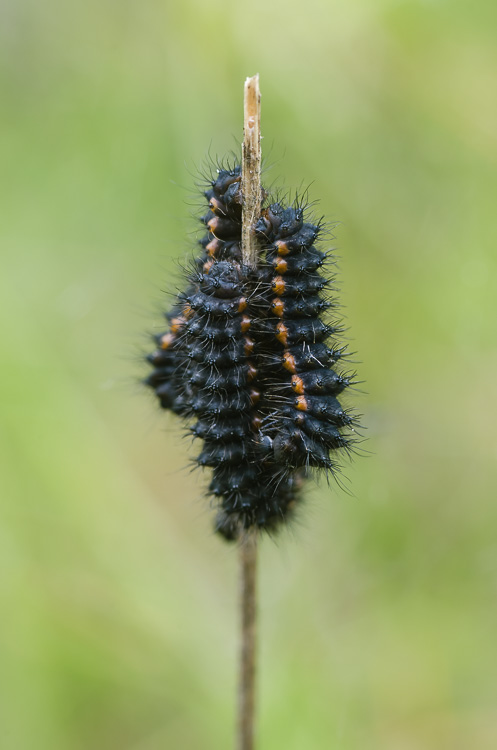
251,363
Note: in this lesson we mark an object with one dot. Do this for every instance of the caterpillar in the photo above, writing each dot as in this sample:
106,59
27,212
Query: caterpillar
251,365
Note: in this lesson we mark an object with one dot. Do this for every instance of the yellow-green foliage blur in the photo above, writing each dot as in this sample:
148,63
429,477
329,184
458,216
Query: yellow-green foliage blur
378,619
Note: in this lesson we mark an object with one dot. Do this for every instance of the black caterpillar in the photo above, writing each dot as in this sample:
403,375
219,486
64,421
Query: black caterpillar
247,362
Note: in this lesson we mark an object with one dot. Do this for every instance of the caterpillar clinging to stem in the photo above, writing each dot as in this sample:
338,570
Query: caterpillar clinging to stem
251,363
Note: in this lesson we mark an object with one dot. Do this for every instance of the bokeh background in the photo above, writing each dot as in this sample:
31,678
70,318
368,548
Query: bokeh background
378,613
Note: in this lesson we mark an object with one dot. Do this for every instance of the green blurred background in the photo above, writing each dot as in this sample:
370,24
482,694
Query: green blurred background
377,610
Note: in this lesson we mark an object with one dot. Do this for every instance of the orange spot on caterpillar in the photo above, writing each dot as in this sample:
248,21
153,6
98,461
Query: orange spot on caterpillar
213,224
167,340
298,384
256,422
282,247
278,285
242,304
213,246
252,372
246,323
282,334
281,265
249,346
216,205
278,307
289,362
301,403
254,396
187,311
208,265
177,324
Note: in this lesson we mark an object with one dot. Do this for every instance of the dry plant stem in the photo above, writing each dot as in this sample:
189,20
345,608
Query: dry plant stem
251,207
248,577
251,169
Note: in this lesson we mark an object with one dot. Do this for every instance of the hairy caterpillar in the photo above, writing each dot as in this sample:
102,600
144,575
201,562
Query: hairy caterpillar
251,365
